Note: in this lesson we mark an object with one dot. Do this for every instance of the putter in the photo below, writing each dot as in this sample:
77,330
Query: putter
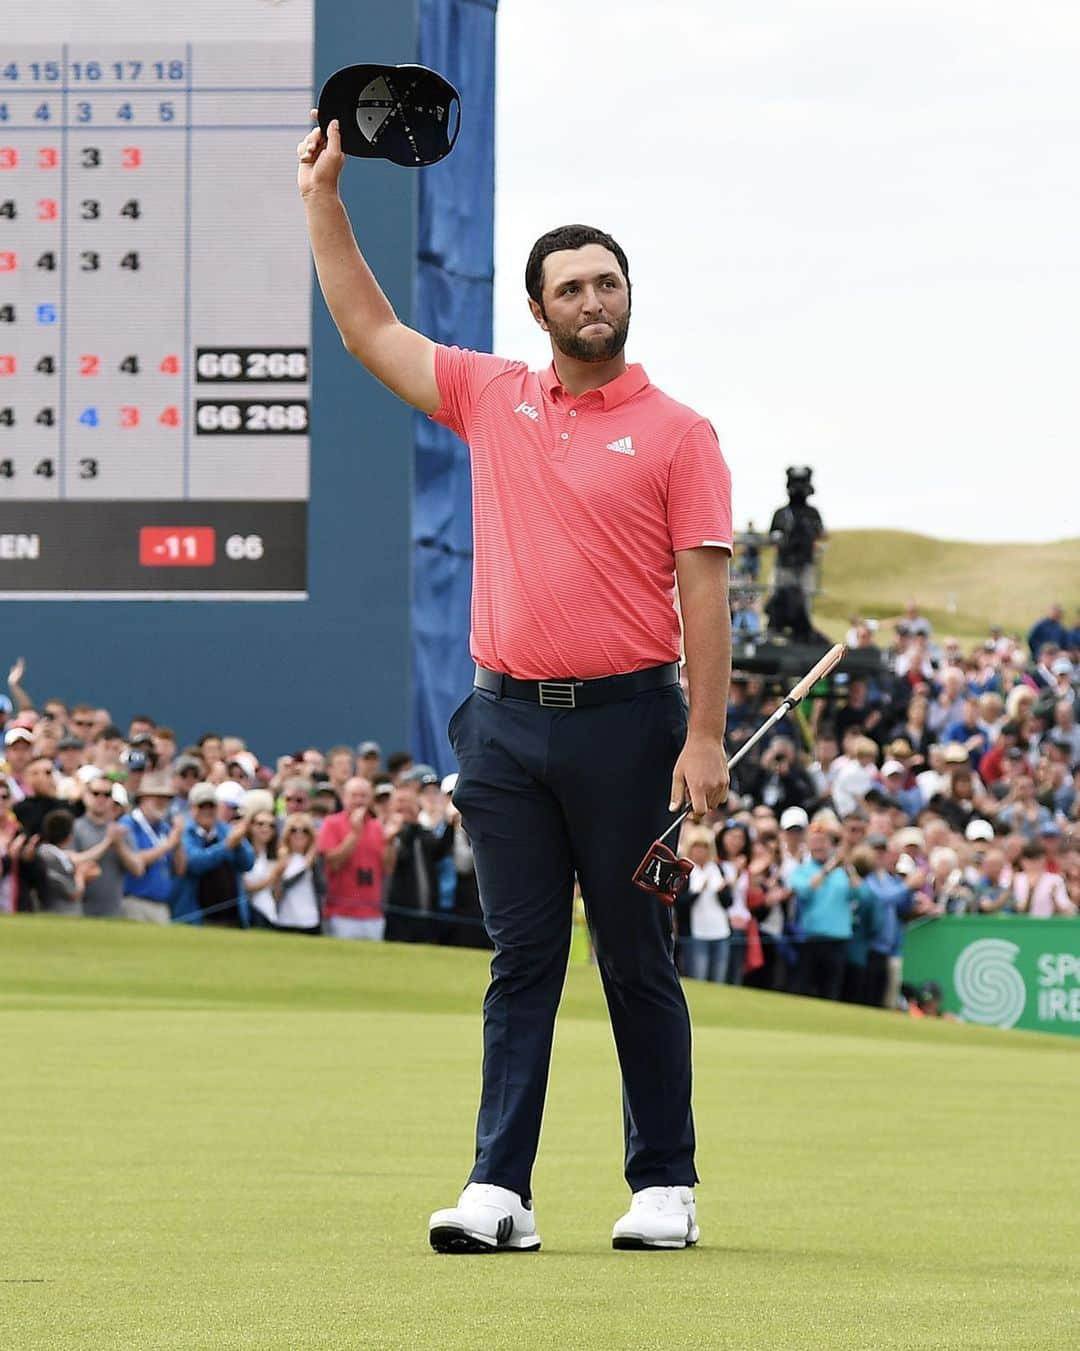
661,871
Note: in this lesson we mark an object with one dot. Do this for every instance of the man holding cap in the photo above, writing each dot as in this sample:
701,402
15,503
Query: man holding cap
594,494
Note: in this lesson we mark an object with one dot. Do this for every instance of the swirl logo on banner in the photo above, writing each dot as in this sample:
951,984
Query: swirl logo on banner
989,987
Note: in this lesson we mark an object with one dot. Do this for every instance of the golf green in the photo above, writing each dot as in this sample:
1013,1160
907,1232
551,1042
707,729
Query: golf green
219,1140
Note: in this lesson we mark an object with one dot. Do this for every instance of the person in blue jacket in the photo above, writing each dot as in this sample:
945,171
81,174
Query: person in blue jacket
823,891
218,853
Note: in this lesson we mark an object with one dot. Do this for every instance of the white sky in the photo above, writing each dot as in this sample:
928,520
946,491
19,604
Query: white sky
851,230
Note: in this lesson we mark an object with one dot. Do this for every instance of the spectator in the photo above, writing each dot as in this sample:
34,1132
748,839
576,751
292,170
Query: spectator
340,768
948,704
229,795
186,773
1037,891
894,898
59,881
856,778
823,891
356,858
793,824
992,893
18,752
865,921
100,838
968,732
9,831
710,899
1021,812
147,895
770,898
295,796
211,892
369,761
780,781
914,728
414,886
263,876
300,887
1050,629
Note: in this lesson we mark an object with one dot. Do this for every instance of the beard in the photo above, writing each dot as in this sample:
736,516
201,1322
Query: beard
602,347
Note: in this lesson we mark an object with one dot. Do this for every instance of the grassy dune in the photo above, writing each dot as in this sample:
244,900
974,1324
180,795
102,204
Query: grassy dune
963,588
214,1140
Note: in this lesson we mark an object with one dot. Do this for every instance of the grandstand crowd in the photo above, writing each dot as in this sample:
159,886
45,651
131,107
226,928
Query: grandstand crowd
935,780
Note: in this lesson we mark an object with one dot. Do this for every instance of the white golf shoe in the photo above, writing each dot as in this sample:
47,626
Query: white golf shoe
485,1219
659,1217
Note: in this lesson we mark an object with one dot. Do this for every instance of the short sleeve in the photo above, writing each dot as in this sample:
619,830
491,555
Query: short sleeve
329,836
699,492
462,376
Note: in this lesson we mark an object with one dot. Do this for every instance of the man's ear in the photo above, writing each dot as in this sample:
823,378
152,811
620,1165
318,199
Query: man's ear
538,314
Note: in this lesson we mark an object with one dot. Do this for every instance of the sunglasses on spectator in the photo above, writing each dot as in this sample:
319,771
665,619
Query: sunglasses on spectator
263,822
296,797
100,792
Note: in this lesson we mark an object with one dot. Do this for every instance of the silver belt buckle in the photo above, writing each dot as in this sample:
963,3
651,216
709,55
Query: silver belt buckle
557,693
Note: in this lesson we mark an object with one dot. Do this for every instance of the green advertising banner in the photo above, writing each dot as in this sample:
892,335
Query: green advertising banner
1002,971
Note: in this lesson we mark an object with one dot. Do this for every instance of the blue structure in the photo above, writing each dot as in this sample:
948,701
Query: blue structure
454,285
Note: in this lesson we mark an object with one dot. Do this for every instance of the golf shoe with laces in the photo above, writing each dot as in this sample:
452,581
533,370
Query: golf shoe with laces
659,1217
485,1219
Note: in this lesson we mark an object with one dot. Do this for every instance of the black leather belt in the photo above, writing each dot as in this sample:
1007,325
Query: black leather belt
577,693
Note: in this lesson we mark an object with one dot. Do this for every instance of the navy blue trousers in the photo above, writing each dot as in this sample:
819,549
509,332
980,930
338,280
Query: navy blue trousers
545,794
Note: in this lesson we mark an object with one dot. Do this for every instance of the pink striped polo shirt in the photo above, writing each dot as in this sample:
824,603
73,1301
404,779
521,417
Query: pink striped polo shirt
579,506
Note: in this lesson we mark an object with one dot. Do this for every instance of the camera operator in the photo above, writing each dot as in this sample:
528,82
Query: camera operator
780,781
796,530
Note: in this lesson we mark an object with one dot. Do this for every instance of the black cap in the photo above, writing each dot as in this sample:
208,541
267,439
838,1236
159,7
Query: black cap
928,990
113,733
70,743
399,113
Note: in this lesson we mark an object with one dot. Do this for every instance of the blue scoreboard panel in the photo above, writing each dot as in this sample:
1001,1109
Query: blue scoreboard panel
155,301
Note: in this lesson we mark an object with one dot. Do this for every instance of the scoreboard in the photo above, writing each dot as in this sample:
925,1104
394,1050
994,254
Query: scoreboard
155,300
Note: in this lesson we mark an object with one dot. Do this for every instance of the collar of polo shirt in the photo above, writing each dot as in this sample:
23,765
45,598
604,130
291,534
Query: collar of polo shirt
632,381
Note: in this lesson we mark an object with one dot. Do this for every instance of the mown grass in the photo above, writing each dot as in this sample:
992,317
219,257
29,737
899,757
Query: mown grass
213,1140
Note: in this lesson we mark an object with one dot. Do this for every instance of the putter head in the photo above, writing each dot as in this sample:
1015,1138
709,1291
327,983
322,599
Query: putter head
663,873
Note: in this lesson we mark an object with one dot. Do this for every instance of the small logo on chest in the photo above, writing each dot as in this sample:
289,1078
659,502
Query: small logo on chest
624,445
527,410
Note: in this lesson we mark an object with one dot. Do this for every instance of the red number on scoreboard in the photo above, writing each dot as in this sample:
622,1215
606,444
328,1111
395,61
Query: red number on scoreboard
7,363
48,157
170,365
129,417
89,365
48,209
170,417
9,157
132,157
8,262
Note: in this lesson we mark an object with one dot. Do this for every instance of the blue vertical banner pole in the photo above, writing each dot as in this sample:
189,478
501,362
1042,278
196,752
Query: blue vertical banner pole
453,300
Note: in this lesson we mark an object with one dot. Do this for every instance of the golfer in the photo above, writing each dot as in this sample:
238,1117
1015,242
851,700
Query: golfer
593,492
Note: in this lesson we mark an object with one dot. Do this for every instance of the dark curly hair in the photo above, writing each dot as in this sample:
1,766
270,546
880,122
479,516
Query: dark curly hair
567,237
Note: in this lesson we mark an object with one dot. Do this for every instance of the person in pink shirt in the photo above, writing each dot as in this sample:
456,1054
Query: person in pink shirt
1037,891
353,846
595,496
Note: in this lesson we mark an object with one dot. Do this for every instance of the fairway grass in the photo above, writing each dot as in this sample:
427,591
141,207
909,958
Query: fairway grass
219,1140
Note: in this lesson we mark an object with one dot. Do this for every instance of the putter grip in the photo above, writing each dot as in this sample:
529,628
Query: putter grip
832,658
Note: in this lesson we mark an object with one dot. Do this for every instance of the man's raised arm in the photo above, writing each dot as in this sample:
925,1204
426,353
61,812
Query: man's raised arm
401,358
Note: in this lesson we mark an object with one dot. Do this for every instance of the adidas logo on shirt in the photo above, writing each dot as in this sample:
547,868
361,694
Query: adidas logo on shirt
624,445
528,410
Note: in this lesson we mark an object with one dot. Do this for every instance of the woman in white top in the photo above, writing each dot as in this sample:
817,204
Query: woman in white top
265,873
301,888
710,932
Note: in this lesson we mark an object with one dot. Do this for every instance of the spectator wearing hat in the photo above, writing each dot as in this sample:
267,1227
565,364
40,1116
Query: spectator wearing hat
793,824
18,752
1050,838
324,802
101,838
230,794
369,760
356,856
241,767
218,855
187,771
147,897
823,891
